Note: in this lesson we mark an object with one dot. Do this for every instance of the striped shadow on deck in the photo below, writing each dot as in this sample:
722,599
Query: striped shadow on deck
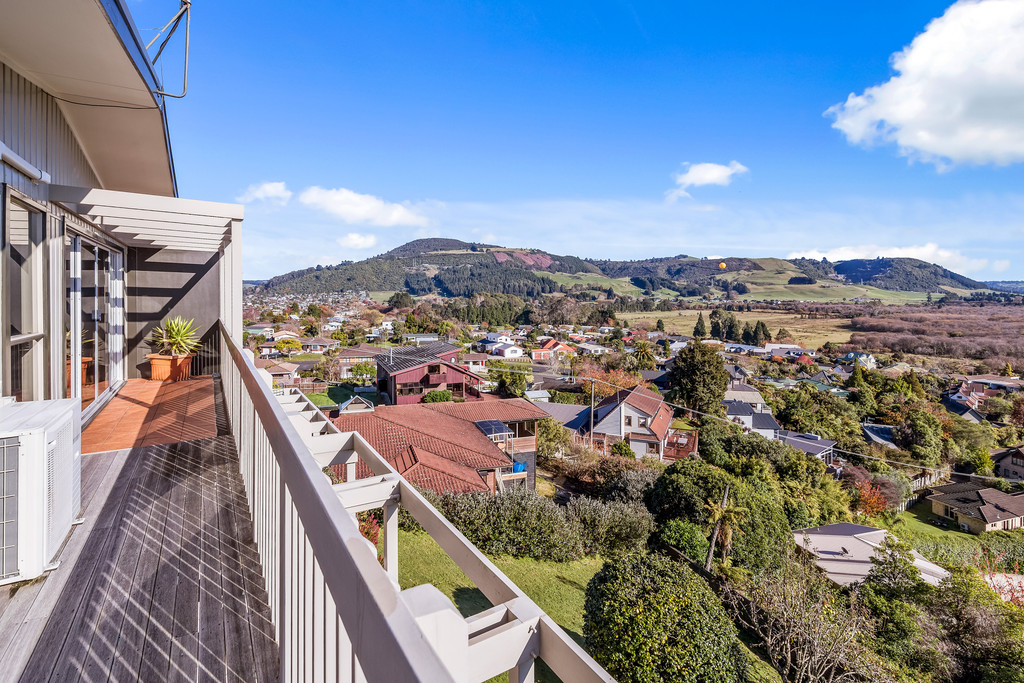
167,585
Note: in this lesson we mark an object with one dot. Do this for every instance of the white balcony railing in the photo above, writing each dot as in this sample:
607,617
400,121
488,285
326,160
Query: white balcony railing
339,615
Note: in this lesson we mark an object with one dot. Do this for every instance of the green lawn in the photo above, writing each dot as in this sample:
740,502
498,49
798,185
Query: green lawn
558,588
306,356
338,394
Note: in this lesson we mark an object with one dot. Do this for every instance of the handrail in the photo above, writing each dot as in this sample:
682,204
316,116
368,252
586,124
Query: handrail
385,640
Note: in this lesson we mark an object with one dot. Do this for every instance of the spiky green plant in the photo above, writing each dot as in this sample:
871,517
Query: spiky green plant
176,337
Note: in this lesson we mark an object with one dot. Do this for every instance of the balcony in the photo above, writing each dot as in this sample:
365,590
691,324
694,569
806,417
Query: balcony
215,548
436,379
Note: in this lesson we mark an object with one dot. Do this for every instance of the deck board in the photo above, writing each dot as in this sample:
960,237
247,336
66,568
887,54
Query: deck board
162,582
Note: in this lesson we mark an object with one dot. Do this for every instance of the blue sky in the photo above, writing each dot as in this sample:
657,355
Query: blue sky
609,129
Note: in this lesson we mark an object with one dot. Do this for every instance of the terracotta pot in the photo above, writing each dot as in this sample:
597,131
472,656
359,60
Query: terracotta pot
169,368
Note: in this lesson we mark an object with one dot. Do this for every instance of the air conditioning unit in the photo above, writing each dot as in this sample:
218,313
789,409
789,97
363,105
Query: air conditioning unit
40,484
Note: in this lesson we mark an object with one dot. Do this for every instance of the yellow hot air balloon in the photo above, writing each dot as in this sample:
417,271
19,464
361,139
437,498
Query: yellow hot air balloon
722,266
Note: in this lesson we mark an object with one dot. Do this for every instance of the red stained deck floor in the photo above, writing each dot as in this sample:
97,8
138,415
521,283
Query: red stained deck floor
146,413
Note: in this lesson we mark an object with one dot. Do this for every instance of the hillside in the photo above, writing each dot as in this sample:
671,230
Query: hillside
1007,285
443,266
449,267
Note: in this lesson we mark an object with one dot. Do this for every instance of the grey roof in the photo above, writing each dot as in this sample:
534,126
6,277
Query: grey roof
738,408
880,434
764,421
572,416
406,357
811,444
979,501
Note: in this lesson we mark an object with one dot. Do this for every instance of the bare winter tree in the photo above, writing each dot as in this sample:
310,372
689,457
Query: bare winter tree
808,629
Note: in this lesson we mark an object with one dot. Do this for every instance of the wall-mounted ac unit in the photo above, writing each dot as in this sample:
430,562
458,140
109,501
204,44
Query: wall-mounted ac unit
40,484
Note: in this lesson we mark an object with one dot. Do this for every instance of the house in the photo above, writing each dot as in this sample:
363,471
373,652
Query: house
751,420
507,351
637,416
978,508
318,344
575,418
589,349
1009,462
737,373
432,450
349,356
278,371
406,373
865,360
550,350
745,393
474,362
843,551
499,337
970,394
266,329
538,396
419,338
811,444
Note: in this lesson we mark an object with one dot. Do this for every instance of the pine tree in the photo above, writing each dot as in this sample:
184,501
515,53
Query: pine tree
1007,370
660,325
748,333
700,330
716,323
735,332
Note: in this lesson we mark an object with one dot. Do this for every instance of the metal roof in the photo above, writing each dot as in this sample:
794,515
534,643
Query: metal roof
492,428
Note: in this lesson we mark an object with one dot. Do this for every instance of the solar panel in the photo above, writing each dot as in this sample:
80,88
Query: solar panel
492,428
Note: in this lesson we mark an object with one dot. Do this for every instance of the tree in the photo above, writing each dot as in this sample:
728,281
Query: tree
761,334
437,396
363,371
996,408
1007,370
288,346
724,519
644,355
401,300
716,323
643,616
510,381
700,330
660,325
698,379
783,335
748,333
803,623
893,572
1017,414
735,332
553,439
870,499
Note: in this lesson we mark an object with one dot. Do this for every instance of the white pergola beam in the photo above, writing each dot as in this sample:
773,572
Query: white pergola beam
67,194
122,215
156,223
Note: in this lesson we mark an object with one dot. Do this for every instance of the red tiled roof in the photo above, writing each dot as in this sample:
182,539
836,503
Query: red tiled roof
431,471
393,429
505,410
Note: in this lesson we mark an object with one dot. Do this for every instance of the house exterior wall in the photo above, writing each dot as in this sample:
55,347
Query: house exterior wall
162,283
418,376
33,126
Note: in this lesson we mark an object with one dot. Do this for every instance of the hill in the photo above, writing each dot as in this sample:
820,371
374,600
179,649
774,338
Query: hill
1016,286
443,266
449,267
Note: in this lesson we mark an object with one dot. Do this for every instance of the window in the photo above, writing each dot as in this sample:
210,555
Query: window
643,421
433,369
24,301
629,420
652,448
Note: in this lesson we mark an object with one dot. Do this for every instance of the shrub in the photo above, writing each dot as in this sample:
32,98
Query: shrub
622,449
437,396
610,529
518,523
632,486
553,439
569,397
687,537
651,619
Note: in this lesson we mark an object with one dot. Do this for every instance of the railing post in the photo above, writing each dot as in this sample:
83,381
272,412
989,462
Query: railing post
390,531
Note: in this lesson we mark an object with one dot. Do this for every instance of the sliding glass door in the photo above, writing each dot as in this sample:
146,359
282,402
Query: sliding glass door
93,316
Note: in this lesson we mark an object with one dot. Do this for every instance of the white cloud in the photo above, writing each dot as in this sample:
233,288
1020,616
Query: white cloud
958,92
1001,265
366,209
696,175
354,240
931,252
275,193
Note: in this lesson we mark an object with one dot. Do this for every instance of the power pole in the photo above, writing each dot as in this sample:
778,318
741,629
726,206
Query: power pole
592,413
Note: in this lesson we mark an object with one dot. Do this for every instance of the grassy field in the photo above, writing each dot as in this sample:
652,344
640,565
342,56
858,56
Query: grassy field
307,356
559,588
809,332
381,296
592,280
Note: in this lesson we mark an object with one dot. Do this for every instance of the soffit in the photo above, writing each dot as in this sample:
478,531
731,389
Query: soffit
73,49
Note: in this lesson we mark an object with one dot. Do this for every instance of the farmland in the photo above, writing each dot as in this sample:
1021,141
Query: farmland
810,332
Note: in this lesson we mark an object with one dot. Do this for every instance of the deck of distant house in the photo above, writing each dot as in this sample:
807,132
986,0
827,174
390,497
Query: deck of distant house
161,580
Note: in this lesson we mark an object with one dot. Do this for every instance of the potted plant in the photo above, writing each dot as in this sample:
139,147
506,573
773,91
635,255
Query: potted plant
175,343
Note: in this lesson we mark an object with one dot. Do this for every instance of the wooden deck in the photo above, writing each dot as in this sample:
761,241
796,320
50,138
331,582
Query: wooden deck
161,582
